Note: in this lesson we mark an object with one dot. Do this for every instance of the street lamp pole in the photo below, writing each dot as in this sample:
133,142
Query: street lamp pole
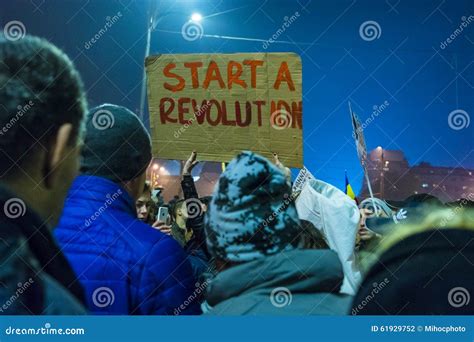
153,14
382,176
152,23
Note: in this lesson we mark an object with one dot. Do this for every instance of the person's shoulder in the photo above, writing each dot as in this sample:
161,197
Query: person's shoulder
153,242
57,300
148,234
166,245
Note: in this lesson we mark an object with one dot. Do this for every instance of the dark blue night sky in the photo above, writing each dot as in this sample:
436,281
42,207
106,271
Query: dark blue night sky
404,67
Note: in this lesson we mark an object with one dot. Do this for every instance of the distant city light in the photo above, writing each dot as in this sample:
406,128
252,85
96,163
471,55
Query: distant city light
196,17
155,166
164,171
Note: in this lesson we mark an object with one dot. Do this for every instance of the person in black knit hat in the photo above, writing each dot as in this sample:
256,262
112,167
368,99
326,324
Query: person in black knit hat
116,146
126,266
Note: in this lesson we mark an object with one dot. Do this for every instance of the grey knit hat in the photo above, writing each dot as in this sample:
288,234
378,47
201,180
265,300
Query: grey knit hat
116,145
251,214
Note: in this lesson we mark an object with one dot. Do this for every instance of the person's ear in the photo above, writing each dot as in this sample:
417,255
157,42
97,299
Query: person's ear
57,153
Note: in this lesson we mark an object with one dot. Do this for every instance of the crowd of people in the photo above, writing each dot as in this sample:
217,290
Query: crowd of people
84,231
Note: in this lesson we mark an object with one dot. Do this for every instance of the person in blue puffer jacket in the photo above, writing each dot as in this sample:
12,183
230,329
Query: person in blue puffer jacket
125,266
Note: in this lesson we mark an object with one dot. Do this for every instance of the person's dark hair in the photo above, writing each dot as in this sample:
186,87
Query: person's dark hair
206,200
40,90
147,187
174,208
422,200
460,203
311,237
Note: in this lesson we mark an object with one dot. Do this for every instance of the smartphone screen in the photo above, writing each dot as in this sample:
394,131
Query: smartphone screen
163,214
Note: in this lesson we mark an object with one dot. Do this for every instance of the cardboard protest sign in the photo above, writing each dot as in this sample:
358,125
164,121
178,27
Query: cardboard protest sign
303,177
222,104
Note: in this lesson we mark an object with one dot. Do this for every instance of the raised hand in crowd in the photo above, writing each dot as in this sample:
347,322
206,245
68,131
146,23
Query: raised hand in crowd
286,170
190,164
162,227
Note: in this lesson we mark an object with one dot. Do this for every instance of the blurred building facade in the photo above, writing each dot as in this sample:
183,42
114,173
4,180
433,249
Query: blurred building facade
166,175
393,178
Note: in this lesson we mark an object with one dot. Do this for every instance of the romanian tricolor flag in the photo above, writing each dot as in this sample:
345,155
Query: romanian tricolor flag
349,191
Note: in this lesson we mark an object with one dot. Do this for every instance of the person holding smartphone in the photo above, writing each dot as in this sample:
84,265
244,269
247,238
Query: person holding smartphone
187,216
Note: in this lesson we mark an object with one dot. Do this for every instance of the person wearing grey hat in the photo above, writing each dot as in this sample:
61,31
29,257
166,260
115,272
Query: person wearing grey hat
254,234
125,266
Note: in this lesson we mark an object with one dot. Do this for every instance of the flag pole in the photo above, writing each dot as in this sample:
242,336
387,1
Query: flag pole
363,162
370,191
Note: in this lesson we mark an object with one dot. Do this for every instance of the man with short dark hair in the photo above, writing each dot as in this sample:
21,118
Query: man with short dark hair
42,104
179,230
126,266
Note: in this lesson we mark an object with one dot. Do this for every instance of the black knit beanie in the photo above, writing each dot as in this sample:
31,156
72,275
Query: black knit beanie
116,145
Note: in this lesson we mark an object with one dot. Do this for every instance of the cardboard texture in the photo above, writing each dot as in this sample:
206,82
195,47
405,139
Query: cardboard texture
222,104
